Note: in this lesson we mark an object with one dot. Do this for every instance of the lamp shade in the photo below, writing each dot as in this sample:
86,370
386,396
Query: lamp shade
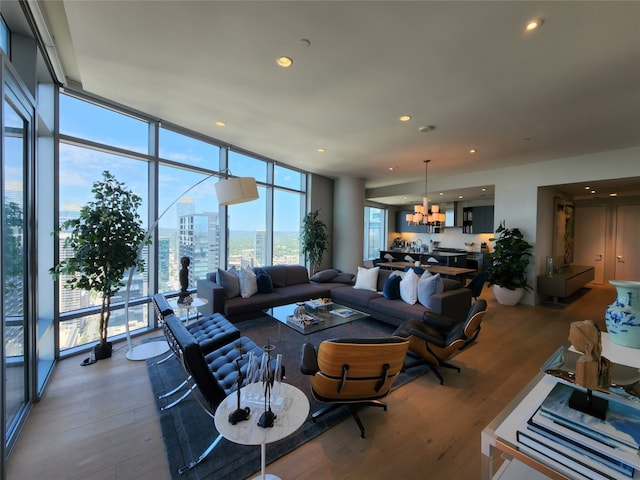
435,208
236,190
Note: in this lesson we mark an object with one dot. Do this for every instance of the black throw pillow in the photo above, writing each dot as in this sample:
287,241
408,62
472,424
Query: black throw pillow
265,285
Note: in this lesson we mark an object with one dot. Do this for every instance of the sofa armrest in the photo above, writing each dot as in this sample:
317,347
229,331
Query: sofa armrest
454,304
439,322
214,294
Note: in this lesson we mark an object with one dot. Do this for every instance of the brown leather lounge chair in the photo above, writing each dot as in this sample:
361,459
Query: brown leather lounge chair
435,338
353,371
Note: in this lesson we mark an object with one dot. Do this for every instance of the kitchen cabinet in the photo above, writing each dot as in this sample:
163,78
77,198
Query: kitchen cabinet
477,219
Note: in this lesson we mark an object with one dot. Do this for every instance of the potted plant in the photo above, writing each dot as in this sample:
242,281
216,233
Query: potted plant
508,265
314,238
104,242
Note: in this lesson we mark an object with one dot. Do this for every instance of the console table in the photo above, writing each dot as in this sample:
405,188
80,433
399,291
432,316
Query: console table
573,278
499,438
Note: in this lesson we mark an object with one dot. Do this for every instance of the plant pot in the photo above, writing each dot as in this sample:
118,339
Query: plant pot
102,351
622,317
505,296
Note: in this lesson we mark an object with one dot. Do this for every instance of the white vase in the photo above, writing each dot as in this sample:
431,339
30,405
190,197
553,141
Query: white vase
505,296
622,317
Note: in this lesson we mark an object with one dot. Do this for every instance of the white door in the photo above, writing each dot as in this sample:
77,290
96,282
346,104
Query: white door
627,264
589,240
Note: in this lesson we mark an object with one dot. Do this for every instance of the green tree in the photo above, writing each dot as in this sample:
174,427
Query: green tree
314,239
104,240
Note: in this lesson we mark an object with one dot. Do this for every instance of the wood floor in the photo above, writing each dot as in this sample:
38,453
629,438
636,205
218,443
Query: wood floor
100,421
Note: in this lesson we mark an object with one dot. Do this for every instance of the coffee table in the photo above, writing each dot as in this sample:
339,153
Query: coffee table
327,314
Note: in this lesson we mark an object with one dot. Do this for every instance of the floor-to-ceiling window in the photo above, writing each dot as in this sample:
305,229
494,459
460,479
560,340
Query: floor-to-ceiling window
374,232
174,171
96,139
18,322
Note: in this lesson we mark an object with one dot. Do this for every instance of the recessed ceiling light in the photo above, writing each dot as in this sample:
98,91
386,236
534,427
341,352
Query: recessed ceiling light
534,24
593,191
460,196
441,194
391,169
284,62
427,128
405,118
321,150
614,194
220,124
484,189
473,150
587,188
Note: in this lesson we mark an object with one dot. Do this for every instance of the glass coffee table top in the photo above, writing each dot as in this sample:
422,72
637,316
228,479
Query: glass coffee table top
318,317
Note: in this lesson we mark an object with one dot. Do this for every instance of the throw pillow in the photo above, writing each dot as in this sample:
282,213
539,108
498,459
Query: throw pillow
391,289
325,275
265,285
367,279
228,281
248,282
427,286
419,271
409,288
343,277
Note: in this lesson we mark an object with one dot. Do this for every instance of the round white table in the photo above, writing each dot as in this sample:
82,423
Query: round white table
195,303
291,413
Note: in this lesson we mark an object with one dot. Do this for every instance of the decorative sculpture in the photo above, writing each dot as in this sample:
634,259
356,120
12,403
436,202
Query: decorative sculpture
592,369
268,417
184,281
240,414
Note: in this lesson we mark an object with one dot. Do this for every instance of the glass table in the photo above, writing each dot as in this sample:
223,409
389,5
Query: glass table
320,316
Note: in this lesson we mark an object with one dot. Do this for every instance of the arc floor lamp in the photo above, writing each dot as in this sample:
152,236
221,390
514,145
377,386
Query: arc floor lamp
229,191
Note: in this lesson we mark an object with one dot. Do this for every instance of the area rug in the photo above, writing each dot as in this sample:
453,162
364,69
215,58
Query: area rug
187,430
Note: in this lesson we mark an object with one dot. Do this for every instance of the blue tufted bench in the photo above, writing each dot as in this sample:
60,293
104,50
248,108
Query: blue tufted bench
215,374
211,332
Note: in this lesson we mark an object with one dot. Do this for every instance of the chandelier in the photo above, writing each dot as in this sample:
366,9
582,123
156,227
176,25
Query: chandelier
421,213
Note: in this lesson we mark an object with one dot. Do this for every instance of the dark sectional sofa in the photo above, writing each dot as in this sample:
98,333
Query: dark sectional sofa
291,283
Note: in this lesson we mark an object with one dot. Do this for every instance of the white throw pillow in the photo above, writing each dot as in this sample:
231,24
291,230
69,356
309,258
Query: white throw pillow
409,287
427,286
367,279
248,282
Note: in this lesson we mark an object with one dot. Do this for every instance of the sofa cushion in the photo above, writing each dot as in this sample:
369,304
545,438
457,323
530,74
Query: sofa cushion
391,289
367,279
409,287
278,275
394,311
229,281
296,275
353,297
324,275
265,285
427,286
248,282
211,276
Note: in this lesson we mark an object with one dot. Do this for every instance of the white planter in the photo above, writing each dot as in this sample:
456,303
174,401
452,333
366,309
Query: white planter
622,317
505,296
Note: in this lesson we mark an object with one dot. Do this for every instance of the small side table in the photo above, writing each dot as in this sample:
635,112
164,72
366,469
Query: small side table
291,415
196,303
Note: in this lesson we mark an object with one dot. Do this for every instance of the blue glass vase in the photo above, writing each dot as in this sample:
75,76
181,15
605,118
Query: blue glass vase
622,317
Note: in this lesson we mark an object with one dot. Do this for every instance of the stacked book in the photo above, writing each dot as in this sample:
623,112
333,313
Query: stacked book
305,320
588,447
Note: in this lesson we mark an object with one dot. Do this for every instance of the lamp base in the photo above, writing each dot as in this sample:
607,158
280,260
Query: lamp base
585,402
267,419
239,415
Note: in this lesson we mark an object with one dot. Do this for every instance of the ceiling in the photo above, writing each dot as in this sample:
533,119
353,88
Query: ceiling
466,68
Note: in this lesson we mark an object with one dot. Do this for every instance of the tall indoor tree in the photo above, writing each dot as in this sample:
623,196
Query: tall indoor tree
314,238
104,242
